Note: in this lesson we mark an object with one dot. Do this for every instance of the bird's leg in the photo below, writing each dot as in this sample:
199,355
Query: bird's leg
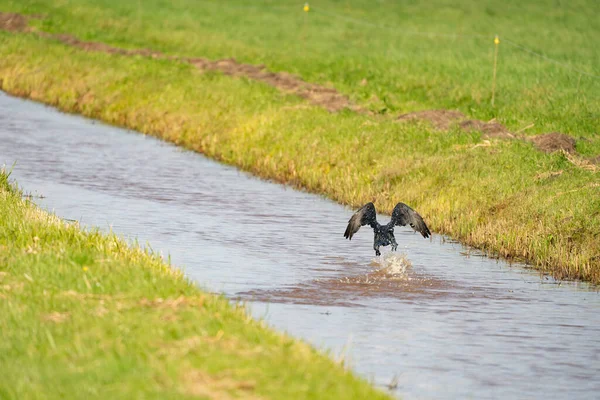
376,248
394,243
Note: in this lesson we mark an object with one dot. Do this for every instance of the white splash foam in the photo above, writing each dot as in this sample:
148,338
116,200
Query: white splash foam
393,264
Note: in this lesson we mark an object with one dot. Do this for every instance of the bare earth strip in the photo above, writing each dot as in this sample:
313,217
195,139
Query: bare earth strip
325,97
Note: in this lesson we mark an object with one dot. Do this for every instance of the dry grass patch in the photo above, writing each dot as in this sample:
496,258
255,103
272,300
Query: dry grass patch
56,317
219,387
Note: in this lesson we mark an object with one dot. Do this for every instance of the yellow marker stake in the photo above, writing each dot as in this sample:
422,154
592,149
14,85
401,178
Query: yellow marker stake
306,9
496,43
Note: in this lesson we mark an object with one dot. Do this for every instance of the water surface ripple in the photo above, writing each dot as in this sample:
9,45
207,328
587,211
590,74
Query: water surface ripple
449,326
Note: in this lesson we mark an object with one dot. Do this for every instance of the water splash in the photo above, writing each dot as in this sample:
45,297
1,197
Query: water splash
392,265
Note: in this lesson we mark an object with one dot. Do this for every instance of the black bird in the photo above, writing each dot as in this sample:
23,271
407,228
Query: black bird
384,234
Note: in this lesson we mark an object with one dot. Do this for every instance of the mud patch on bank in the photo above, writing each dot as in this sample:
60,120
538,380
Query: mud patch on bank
554,141
325,97
446,119
321,96
13,22
490,129
440,119
565,144
102,47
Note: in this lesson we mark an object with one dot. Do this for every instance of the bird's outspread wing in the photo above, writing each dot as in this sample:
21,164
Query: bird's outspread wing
404,215
366,215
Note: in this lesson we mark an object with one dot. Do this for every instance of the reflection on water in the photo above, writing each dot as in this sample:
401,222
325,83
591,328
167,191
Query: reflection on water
440,324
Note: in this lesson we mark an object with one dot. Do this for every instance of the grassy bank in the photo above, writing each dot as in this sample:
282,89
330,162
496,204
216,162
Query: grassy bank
84,316
390,56
505,197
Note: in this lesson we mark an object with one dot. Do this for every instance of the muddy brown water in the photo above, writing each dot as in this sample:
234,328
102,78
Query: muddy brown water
441,322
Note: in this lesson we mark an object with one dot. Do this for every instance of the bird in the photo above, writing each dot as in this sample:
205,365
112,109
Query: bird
384,234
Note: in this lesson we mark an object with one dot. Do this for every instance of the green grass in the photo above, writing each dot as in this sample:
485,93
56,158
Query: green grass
405,71
82,315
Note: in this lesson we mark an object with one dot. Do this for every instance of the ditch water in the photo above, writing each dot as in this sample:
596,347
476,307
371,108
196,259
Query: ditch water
435,319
